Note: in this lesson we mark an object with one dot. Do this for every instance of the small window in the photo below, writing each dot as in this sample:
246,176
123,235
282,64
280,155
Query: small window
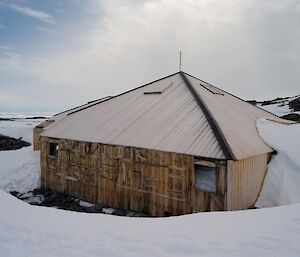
54,149
87,148
205,178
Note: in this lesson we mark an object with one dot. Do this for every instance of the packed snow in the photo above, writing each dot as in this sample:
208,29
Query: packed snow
20,169
33,231
281,185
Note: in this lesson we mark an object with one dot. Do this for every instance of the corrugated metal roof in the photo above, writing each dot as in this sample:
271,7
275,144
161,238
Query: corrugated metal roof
237,120
169,120
59,116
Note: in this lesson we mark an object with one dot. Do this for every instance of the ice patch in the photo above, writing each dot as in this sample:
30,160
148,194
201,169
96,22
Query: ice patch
108,210
85,204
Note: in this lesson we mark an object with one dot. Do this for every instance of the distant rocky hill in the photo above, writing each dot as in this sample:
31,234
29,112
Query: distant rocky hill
287,107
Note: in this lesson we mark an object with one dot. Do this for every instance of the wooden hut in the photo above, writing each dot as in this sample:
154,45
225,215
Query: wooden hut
174,146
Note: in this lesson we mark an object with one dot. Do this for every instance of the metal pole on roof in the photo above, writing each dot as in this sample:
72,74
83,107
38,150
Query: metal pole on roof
180,53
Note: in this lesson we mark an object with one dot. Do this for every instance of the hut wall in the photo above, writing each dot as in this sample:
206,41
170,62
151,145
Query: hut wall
37,131
143,180
36,138
245,179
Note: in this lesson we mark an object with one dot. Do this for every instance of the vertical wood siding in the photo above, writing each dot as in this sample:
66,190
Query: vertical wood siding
153,182
36,138
245,179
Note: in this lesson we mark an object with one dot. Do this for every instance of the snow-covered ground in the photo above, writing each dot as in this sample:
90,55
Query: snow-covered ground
282,182
27,230
33,231
19,170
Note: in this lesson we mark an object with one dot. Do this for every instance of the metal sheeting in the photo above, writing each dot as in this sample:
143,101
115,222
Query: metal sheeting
171,121
60,116
237,120
244,180
158,87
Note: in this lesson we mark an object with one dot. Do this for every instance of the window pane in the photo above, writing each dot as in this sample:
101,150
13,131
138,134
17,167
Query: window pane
54,149
205,178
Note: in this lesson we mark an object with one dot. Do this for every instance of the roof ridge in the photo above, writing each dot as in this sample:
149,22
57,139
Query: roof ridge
211,120
86,107
231,94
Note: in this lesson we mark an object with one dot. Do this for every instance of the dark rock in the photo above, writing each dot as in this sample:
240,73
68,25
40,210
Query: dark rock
119,212
253,102
291,116
14,193
295,104
64,201
274,101
36,118
9,143
268,102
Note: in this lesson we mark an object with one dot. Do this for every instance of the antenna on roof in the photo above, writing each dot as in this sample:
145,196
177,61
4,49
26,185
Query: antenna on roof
180,53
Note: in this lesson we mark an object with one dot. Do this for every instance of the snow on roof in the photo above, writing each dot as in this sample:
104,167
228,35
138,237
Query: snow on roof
168,118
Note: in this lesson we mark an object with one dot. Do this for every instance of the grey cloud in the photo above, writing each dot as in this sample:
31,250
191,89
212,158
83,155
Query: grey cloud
249,48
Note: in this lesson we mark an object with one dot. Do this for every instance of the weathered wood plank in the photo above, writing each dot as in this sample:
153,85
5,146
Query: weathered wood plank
143,180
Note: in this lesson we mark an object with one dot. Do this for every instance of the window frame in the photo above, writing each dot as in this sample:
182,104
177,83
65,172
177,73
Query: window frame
53,149
206,169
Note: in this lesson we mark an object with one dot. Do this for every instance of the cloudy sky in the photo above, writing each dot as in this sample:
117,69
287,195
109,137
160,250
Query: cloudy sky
55,54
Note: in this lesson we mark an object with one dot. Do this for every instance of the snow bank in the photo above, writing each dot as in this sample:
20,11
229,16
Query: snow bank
281,185
33,231
19,169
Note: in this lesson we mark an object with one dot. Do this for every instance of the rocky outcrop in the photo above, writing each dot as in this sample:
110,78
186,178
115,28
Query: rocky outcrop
9,143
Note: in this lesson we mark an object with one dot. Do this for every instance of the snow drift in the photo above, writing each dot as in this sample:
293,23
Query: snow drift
20,169
281,185
27,230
